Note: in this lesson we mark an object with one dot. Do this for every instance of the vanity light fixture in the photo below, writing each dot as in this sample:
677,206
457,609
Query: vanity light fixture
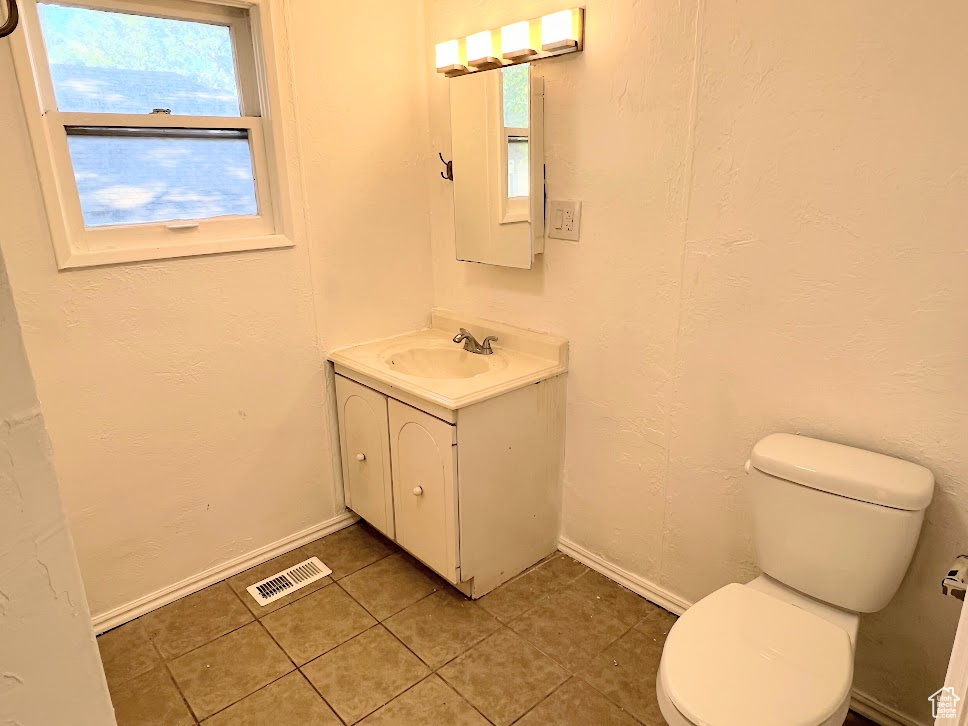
528,40
449,60
480,50
561,30
516,41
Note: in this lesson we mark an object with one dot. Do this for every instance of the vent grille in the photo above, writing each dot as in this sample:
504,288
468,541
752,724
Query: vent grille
287,581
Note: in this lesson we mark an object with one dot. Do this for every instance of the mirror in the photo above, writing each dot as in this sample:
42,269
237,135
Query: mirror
497,124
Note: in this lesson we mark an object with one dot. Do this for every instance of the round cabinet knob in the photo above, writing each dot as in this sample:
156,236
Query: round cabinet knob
417,491
361,457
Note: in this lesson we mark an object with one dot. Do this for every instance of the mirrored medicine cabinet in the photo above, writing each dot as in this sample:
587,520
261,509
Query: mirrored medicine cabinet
497,127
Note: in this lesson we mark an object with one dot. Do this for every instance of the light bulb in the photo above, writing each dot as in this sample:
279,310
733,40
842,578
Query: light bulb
516,40
557,31
448,54
480,48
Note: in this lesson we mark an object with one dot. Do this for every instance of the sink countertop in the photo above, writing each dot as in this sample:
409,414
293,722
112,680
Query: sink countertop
521,357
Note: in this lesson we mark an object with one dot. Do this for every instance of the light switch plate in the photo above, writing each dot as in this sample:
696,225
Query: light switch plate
564,220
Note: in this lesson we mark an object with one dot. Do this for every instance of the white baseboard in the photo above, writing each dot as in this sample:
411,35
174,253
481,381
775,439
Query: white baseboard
637,584
880,713
137,608
860,702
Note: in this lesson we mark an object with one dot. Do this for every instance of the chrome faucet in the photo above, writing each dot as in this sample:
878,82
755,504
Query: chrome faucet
472,346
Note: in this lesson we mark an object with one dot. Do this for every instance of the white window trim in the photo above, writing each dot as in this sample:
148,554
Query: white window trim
262,88
510,210
514,209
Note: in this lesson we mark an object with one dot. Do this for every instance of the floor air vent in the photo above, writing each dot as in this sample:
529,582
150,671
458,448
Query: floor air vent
282,583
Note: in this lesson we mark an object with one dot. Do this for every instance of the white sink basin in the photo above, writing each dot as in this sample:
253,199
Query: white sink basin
442,363
428,366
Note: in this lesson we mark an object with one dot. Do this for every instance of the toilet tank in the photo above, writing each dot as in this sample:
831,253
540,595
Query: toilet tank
837,523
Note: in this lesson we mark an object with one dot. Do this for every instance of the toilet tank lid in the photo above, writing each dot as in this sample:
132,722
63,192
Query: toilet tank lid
845,471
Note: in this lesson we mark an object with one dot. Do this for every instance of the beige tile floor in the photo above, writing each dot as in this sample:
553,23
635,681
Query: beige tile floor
385,642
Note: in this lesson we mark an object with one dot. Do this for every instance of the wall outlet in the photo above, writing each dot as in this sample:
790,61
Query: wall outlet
564,220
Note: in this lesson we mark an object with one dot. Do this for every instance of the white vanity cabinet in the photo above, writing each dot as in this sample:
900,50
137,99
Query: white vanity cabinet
417,504
423,452
364,436
476,497
454,454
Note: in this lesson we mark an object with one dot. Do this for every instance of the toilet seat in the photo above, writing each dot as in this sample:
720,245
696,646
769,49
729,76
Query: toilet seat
740,657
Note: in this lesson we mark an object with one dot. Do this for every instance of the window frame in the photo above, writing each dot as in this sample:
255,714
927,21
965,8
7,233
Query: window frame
510,209
76,245
514,209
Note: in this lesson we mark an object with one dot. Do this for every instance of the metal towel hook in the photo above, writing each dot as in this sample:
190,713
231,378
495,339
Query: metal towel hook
448,172
13,19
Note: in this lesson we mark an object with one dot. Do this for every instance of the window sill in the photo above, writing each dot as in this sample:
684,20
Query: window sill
78,259
515,217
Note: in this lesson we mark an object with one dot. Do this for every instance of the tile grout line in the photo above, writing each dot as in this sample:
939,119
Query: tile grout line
382,623
544,596
321,696
372,614
613,642
295,669
506,625
209,642
571,673
367,629
542,700
302,548
452,687
457,693
471,647
261,688
199,720
171,676
298,668
255,619
359,569
570,585
377,624
409,649
212,640
181,695
412,686
629,630
610,700
276,642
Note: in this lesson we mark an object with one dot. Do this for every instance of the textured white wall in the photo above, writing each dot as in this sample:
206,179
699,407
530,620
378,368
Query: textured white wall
185,398
362,136
50,672
824,284
362,127
771,242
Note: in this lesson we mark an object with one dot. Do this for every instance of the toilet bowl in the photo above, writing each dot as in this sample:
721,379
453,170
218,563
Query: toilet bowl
835,529
758,654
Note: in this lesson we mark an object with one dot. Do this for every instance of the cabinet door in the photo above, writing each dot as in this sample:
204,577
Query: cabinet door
425,487
364,440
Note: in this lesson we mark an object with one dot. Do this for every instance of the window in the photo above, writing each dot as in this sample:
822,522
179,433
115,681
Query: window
515,91
515,95
151,130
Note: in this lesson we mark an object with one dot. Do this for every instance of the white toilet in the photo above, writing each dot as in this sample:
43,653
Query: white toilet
835,529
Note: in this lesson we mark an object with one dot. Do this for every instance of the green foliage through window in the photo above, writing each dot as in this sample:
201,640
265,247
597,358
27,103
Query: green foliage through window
114,62
516,96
